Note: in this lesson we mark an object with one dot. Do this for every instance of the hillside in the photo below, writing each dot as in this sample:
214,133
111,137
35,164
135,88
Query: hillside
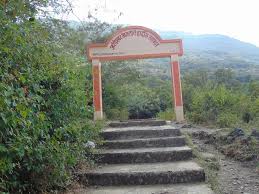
207,51
210,52
213,42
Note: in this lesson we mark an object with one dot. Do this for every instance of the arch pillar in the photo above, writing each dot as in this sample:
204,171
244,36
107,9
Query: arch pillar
97,89
176,88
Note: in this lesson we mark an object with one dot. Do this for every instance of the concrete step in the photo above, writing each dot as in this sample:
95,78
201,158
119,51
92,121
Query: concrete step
145,143
198,188
130,123
144,155
139,132
144,174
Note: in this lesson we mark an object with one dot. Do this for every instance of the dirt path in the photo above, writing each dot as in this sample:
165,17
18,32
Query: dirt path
234,177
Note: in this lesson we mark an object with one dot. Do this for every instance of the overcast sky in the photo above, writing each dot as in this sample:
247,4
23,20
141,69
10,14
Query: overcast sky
235,18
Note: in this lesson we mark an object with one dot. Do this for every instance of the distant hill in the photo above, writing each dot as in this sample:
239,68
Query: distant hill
209,51
208,43
213,42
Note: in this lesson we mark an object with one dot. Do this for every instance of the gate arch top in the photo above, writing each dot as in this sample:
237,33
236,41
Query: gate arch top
134,42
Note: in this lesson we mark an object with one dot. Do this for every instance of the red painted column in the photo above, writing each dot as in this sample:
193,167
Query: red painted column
97,90
176,88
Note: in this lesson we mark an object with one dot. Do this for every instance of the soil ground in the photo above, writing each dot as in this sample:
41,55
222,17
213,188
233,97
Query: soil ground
234,177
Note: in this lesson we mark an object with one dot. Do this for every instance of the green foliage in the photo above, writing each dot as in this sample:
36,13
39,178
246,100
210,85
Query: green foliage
216,98
143,103
209,103
226,119
43,112
112,99
220,99
128,90
168,115
117,114
115,106
254,89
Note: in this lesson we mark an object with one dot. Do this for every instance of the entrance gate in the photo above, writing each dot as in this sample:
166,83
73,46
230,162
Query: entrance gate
135,42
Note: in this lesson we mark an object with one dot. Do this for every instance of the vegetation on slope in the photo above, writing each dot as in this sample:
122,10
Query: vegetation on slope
217,98
44,120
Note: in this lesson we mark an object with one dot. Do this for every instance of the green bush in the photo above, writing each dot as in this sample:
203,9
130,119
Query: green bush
117,114
226,119
143,102
43,116
167,115
209,104
219,99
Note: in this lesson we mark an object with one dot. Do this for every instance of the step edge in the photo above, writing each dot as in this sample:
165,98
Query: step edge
200,169
187,148
134,130
186,162
204,185
144,139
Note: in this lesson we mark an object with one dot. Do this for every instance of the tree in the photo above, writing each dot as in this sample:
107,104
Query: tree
43,126
226,77
253,89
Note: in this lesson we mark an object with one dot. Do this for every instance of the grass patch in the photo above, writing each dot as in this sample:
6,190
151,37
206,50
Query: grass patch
167,115
211,166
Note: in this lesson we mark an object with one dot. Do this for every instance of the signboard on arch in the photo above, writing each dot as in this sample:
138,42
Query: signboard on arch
134,42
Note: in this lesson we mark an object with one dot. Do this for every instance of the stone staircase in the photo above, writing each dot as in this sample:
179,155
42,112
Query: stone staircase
145,157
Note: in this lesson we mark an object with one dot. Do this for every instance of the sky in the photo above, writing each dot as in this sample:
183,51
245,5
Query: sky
235,18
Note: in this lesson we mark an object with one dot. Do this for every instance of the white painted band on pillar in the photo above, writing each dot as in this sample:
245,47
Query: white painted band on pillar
174,58
98,115
96,62
179,113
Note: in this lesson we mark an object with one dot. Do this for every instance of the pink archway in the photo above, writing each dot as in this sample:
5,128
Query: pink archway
136,42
